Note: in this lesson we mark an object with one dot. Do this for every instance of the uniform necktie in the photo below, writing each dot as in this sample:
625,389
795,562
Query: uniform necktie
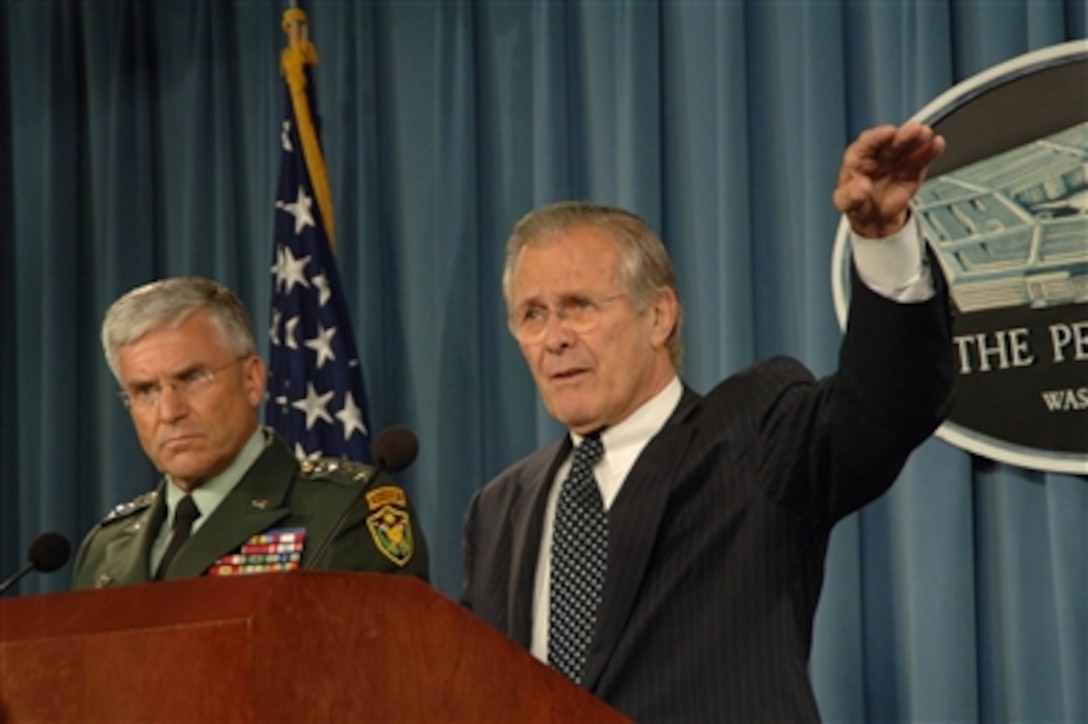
579,558
184,515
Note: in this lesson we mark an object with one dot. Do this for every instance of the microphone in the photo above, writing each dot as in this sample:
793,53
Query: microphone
47,553
394,450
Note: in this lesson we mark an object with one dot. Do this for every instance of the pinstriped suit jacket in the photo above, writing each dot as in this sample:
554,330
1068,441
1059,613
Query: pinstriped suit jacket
718,537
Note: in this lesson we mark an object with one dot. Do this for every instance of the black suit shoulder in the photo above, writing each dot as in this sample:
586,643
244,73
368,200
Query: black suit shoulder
756,388
515,479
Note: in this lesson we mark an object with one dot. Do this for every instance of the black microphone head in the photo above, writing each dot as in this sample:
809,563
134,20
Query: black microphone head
396,448
48,552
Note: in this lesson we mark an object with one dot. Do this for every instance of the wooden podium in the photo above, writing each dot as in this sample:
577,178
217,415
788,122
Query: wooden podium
274,647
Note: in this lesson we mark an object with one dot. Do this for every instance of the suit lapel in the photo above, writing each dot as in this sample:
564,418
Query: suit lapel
633,522
526,523
255,504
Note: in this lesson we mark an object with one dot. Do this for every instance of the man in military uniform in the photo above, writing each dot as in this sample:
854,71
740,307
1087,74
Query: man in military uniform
233,499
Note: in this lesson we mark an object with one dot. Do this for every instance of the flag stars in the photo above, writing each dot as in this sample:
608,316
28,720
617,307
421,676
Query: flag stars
301,209
290,271
301,454
321,343
351,417
321,283
274,330
315,398
289,333
285,137
315,406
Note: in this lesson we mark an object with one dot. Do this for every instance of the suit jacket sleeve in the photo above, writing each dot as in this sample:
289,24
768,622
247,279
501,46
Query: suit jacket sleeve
829,447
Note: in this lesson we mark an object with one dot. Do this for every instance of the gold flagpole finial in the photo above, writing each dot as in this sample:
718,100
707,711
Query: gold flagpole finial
294,24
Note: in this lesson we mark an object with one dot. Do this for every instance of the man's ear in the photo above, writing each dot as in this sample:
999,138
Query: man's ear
254,377
663,312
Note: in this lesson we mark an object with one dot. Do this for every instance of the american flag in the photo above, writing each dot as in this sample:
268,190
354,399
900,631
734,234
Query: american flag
316,398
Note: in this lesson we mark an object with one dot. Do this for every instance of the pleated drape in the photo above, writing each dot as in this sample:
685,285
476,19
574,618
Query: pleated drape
140,139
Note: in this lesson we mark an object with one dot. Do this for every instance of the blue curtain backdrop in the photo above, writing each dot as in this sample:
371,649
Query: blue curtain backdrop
140,139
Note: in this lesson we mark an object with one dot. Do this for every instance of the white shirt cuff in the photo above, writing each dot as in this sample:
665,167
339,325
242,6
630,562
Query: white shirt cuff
896,266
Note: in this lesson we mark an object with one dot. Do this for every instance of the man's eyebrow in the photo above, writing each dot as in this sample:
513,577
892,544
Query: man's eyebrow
188,369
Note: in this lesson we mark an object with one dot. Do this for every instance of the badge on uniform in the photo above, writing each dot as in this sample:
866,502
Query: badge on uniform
389,524
277,549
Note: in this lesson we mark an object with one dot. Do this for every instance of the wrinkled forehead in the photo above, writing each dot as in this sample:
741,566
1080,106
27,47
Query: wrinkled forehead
584,258
195,338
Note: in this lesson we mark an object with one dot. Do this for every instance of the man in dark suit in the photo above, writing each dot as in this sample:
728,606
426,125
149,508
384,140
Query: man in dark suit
183,352
693,599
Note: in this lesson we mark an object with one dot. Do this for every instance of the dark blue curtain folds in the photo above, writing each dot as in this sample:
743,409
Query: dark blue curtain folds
140,140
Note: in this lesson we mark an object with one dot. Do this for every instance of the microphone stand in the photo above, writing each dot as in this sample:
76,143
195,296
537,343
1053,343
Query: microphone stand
11,581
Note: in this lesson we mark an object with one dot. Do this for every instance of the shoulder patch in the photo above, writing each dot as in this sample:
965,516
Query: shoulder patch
386,495
390,525
140,502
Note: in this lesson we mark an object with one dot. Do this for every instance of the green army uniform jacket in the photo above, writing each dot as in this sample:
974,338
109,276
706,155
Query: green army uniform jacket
277,493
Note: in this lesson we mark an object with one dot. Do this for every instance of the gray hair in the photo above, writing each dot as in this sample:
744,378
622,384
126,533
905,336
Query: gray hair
169,303
645,267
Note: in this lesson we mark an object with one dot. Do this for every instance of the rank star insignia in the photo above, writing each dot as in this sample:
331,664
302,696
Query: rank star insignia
391,530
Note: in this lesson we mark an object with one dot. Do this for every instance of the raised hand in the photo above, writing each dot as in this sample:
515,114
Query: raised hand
881,171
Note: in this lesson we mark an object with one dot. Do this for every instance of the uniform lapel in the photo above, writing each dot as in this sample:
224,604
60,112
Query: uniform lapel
127,555
526,523
255,504
633,522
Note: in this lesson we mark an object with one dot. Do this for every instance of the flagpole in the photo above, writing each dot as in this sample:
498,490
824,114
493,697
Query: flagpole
316,400
299,54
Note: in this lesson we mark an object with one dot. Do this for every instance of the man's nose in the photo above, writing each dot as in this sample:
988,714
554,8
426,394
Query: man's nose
557,334
173,403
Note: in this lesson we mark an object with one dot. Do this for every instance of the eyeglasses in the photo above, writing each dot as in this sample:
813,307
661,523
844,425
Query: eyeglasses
579,314
146,396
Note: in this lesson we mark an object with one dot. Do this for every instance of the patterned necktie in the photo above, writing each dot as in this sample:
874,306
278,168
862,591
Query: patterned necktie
186,513
579,558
